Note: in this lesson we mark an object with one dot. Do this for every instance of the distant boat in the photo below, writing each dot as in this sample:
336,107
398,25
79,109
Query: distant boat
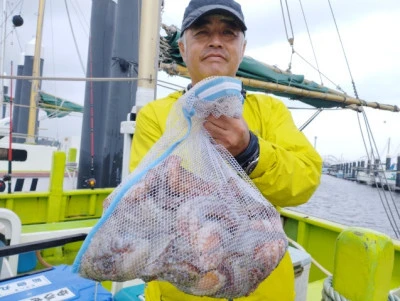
365,177
31,163
29,166
386,178
388,174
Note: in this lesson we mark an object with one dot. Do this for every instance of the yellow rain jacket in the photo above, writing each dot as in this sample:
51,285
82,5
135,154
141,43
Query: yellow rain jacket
287,174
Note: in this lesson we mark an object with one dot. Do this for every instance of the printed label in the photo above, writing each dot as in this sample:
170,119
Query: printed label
23,285
56,295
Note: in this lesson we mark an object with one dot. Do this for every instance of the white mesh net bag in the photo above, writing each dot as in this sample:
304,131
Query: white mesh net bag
188,214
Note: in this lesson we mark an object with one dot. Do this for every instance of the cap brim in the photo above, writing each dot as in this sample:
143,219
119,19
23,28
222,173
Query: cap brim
208,9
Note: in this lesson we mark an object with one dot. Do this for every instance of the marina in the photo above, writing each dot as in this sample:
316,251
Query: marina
386,175
350,203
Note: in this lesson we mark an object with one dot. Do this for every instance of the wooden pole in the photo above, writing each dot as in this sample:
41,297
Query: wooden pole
35,73
273,87
2,52
148,51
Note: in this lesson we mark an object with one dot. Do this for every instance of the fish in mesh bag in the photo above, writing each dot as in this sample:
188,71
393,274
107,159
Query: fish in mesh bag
188,214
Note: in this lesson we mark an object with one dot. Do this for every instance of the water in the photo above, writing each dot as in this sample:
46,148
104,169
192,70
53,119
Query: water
352,204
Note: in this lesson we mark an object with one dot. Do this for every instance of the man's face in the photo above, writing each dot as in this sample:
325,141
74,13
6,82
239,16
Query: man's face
214,45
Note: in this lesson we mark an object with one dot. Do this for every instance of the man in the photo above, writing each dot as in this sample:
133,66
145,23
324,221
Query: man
265,141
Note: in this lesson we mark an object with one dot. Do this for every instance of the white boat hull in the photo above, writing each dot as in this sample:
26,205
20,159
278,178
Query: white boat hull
30,168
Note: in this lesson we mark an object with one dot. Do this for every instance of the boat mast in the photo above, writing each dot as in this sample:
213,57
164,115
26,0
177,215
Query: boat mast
148,68
122,95
148,52
35,73
99,62
2,53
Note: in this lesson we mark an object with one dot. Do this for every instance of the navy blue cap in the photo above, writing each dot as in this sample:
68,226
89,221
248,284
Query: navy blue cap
198,8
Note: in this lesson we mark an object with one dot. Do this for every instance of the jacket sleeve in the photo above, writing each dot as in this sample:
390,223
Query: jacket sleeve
289,168
147,132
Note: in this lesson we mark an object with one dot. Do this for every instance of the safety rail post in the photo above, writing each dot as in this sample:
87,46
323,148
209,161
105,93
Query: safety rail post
363,265
54,205
72,155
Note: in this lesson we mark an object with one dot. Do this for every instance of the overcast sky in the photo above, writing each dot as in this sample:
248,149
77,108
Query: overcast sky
368,29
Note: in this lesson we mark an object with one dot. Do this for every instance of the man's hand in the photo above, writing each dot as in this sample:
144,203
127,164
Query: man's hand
232,133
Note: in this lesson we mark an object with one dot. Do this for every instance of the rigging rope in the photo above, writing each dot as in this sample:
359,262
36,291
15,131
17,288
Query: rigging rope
312,45
329,293
344,52
290,22
10,135
325,76
390,206
85,18
14,8
166,87
290,40
74,38
91,110
384,199
316,263
363,138
19,43
5,20
381,192
53,58
394,220
22,4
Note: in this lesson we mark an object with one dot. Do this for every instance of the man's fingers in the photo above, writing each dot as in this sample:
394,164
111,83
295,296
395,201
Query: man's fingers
214,130
221,122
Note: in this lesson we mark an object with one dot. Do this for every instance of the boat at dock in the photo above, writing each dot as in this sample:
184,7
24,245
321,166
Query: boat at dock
386,175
